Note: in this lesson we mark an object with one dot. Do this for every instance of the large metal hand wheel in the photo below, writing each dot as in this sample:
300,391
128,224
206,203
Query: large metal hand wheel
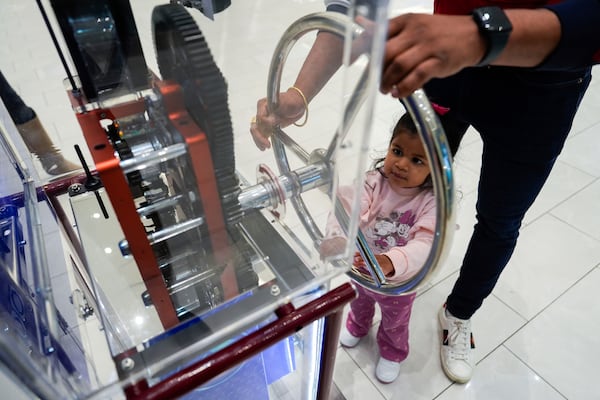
430,131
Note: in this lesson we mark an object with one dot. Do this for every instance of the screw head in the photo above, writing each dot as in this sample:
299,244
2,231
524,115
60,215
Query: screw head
275,291
127,364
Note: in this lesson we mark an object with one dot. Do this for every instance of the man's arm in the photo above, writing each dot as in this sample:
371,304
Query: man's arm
421,46
321,63
580,34
535,35
323,60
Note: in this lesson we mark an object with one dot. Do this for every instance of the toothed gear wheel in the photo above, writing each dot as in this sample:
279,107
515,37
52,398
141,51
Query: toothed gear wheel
184,56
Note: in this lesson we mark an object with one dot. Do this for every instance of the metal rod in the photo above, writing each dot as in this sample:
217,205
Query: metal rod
153,157
294,183
292,145
164,234
190,281
175,230
57,46
159,205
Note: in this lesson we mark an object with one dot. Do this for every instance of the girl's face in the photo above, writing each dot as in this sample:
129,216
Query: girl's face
405,163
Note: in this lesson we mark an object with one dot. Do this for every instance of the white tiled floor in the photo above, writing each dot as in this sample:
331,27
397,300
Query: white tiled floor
536,335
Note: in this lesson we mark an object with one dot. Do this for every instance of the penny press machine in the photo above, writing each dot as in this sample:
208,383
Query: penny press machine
197,256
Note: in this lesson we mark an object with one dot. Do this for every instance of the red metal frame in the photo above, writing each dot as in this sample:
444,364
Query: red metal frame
199,152
117,188
329,306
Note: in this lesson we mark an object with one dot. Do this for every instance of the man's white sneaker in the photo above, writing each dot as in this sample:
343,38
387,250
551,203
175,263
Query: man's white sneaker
457,344
387,371
347,339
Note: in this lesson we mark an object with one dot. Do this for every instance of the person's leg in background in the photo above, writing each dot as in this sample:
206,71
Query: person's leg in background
518,155
33,132
516,162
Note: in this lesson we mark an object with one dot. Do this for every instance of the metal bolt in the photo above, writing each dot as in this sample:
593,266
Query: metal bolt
127,364
275,291
75,189
124,247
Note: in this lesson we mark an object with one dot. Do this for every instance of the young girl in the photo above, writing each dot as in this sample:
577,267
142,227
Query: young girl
398,220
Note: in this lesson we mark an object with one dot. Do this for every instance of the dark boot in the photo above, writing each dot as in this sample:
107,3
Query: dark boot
39,144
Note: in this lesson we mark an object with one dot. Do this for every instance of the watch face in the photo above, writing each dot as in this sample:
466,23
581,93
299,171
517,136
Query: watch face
492,19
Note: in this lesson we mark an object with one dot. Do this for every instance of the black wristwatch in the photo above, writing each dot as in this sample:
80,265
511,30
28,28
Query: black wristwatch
495,27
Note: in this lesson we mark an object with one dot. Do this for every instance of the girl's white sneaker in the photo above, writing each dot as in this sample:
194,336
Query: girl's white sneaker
387,371
347,339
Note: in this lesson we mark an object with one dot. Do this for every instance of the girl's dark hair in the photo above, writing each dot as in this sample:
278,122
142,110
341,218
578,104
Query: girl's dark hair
404,125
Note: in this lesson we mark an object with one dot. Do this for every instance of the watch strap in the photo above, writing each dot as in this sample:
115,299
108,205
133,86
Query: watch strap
495,27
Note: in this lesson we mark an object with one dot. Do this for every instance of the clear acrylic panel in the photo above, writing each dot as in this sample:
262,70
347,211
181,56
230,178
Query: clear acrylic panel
181,236
39,340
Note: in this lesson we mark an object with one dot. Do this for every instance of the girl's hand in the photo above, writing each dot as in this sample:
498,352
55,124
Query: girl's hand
384,262
332,246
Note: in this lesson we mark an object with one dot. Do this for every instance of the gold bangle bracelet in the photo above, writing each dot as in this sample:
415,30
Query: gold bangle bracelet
305,106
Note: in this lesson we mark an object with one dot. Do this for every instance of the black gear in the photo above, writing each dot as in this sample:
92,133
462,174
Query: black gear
184,56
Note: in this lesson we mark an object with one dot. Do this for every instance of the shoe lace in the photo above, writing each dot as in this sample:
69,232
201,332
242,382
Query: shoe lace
459,340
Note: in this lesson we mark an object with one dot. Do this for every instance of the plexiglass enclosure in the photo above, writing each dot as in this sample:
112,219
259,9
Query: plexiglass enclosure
179,259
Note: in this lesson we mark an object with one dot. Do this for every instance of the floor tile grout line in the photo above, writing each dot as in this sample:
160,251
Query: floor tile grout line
536,373
362,371
536,315
586,234
526,323
573,194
